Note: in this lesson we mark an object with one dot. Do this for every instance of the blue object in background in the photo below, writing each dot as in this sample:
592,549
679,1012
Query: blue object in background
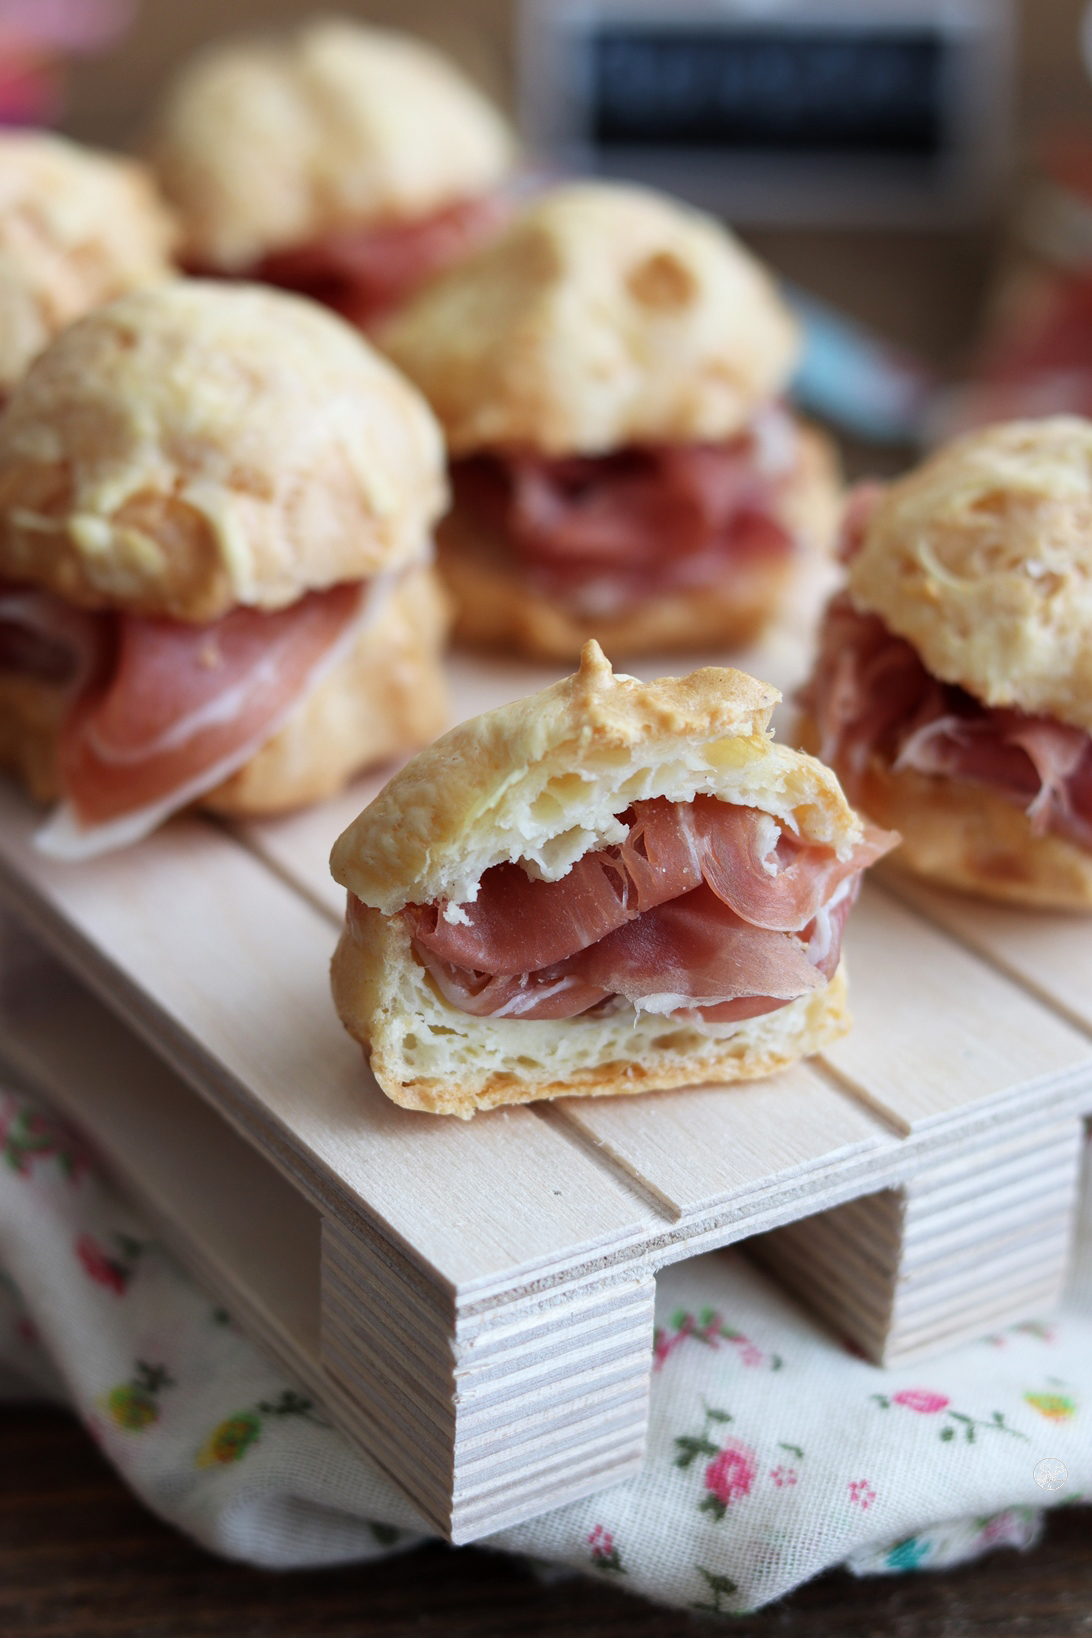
860,384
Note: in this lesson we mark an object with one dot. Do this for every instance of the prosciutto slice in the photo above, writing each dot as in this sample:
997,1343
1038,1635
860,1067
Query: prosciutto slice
764,875
182,707
364,273
605,531
871,697
707,910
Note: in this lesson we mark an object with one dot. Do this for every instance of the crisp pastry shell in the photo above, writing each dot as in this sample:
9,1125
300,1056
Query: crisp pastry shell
427,1055
496,608
981,558
606,315
387,697
77,228
969,838
199,445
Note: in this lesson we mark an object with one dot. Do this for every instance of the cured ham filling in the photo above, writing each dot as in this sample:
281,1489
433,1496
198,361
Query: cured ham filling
161,710
708,912
365,273
871,698
601,533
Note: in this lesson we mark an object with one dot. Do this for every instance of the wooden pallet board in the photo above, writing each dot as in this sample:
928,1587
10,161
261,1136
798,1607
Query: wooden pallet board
474,1300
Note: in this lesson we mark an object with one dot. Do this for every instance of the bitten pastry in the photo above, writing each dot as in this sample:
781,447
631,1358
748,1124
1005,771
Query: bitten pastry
953,688
77,228
608,887
607,375
344,162
215,507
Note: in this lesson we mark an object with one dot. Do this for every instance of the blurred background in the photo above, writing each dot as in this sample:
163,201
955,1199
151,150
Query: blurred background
925,281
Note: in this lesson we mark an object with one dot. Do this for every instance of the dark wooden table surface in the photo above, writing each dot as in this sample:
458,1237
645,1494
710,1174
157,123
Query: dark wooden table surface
81,1558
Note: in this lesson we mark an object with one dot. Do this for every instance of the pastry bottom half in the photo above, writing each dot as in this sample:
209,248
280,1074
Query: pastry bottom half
428,1055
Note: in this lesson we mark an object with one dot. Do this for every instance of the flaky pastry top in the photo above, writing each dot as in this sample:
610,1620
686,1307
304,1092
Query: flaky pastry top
543,781
197,445
606,315
77,228
263,145
981,558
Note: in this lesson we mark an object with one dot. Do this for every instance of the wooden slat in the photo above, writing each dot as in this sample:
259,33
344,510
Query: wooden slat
1050,954
935,1030
701,1147
255,1237
226,968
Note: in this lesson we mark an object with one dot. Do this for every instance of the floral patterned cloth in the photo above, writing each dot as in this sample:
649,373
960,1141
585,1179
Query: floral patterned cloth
772,1454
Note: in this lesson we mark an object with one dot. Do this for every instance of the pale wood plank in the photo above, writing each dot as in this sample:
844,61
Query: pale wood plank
1049,953
935,1030
210,1192
704,1146
226,968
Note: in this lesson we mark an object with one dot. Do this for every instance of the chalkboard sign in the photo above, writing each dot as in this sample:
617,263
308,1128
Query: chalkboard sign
807,110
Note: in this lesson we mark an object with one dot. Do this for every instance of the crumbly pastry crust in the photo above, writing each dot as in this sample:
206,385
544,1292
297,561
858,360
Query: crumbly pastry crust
195,446
264,145
77,228
497,609
427,1055
542,779
606,315
388,696
982,559
968,837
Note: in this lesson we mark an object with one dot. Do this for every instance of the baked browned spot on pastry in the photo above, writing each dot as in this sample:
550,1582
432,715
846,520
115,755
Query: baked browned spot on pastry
608,887
953,688
344,162
607,374
215,515
77,228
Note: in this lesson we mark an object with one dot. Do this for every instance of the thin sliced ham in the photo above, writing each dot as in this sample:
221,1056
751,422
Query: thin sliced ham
695,951
365,273
871,697
622,527
184,706
766,876
706,911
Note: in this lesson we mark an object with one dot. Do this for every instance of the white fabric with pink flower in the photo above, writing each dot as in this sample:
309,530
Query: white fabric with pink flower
773,1453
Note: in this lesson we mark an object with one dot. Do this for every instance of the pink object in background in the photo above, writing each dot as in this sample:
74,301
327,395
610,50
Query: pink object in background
35,38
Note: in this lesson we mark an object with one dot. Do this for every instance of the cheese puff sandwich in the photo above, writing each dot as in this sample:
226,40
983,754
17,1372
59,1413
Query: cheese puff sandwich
608,375
215,514
77,228
608,887
953,688
345,162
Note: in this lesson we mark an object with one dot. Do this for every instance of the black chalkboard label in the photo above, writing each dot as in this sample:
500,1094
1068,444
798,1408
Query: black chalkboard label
817,91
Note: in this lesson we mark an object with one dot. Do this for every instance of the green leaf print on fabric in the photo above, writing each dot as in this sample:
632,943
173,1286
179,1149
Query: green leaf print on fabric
134,1405
1056,1407
230,1440
721,1587
924,1402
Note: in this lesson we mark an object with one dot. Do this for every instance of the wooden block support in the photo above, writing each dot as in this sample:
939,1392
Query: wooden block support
959,1248
511,1399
